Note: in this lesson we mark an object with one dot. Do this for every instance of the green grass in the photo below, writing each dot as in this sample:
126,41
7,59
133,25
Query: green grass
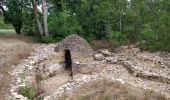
7,32
28,92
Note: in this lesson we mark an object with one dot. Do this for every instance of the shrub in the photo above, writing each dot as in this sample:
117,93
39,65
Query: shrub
28,92
116,38
3,25
49,39
130,33
29,25
148,39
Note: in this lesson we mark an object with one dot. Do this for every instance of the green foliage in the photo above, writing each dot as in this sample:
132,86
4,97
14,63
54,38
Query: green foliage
96,17
119,21
3,25
29,25
28,92
106,98
13,12
132,98
49,39
63,24
131,35
148,39
116,38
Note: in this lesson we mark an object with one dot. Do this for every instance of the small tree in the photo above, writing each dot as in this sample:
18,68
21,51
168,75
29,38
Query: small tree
13,13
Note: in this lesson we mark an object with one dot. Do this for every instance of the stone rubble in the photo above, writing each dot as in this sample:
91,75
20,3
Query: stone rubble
105,52
99,56
23,74
146,70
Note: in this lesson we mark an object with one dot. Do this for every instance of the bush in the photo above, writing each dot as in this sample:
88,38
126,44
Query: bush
29,25
28,92
48,39
116,38
148,39
3,25
130,33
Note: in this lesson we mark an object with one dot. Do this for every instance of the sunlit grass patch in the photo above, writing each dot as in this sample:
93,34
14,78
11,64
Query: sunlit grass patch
7,32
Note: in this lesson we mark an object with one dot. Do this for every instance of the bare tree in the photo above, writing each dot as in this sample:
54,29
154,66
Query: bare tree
44,9
36,12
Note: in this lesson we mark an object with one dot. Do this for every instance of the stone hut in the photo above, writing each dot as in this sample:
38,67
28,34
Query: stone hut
76,51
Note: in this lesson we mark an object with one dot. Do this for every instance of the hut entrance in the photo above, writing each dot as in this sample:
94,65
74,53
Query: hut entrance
68,60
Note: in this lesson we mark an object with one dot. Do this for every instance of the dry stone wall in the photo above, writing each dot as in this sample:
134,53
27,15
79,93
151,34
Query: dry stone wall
115,66
81,52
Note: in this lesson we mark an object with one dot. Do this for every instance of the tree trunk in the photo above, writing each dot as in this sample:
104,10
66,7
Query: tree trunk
37,17
44,9
18,31
17,27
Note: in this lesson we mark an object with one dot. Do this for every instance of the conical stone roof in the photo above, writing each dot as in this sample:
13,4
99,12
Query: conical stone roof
78,46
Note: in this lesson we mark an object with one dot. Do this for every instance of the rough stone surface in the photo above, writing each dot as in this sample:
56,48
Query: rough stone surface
81,52
106,52
99,56
128,65
24,73
79,48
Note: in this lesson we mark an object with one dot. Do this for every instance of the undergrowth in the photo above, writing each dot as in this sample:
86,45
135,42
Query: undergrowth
28,92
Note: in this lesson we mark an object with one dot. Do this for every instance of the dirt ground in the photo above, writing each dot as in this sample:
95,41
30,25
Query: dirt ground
12,50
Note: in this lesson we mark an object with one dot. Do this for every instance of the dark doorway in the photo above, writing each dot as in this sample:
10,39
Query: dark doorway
68,60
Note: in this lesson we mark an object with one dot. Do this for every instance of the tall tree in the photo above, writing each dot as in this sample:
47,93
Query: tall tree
36,12
13,13
44,9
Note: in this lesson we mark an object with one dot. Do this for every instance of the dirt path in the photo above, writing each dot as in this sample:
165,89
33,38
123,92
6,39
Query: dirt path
12,50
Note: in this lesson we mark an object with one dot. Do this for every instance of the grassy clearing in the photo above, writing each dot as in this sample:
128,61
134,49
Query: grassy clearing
7,32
